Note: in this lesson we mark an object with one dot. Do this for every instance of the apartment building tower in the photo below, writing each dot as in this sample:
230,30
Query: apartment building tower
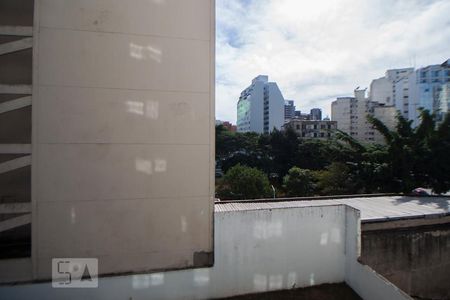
351,116
289,110
260,107
430,90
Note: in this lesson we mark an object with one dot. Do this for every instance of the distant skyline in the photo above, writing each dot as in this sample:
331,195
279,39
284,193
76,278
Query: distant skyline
322,49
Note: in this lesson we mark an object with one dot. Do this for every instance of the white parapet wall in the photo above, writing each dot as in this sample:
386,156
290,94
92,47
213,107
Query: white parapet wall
361,278
255,251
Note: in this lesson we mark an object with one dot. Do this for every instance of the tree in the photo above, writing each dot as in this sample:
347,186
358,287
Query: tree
242,182
418,156
282,149
439,163
336,179
298,182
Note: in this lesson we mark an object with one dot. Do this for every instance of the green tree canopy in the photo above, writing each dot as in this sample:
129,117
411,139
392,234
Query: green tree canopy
242,182
298,182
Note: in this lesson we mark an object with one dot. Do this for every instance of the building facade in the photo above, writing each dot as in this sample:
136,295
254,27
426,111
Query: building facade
411,90
260,107
316,114
289,110
430,89
343,111
351,113
383,90
92,98
313,129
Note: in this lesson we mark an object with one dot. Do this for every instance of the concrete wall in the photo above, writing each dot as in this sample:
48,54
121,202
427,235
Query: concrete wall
255,251
123,114
410,257
361,278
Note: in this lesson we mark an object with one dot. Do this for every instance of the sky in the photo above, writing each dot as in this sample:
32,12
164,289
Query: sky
317,50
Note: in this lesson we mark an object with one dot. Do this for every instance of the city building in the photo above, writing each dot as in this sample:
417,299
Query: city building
313,129
410,90
229,126
316,114
343,111
289,110
350,113
383,90
430,90
260,107
302,116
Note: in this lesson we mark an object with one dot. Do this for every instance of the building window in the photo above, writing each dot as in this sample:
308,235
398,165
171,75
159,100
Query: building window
298,127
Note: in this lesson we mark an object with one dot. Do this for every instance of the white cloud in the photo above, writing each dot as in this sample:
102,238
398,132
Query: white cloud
317,50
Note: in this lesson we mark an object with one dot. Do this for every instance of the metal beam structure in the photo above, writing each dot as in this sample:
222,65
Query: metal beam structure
14,164
15,222
15,104
15,46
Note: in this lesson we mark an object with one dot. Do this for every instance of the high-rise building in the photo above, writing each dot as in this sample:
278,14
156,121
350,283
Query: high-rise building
351,116
430,90
289,110
260,107
383,90
410,90
316,114
343,111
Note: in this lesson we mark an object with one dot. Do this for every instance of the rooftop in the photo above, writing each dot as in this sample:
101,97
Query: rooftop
372,209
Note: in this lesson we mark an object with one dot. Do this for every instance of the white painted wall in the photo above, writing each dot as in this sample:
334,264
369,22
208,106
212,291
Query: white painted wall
381,91
276,107
255,251
361,278
257,106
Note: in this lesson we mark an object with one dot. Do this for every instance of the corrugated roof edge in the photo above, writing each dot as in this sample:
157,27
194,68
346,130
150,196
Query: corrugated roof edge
313,198
324,198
